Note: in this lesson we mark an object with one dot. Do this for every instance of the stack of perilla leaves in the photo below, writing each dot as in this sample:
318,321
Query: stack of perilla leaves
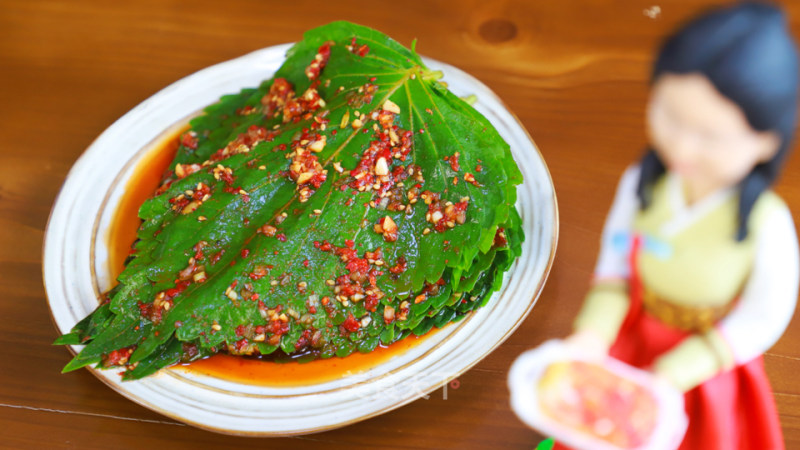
347,202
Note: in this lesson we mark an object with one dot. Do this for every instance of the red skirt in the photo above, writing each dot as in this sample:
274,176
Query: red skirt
733,410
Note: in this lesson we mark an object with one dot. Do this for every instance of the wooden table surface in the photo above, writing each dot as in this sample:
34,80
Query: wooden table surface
574,72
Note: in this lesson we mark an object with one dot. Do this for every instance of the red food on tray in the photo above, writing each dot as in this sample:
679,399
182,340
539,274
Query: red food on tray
591,399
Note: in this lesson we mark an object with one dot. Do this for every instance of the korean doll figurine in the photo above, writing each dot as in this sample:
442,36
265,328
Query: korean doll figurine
698,269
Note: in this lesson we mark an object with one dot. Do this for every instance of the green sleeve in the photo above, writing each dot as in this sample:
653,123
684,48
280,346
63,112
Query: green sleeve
694,360
604,309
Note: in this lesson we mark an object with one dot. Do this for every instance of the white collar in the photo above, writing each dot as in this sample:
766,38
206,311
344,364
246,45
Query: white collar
684,214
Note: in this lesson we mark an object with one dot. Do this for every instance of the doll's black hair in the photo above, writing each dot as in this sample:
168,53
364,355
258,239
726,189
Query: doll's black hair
748,55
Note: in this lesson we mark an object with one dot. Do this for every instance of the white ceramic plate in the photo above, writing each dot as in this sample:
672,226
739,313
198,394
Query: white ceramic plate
76,271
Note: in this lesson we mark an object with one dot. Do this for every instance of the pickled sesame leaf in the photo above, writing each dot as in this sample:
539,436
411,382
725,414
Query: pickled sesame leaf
347,201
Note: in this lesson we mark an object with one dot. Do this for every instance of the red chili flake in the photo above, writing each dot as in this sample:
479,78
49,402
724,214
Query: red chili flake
233,263
371,302
240,330
227,177
247,110
241,345
118,357
305,168
469,178
245,252
306,262
362,96
320,60
454,162
421,131
180,286
281,237
201,191
189,140
349,243
400,266
500,238
216,257
479,168
320,120
360,50
198,250
302,341
351,324
278,327
358,265
179,202
279,92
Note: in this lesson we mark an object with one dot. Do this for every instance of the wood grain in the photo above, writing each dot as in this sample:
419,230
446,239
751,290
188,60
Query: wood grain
574,72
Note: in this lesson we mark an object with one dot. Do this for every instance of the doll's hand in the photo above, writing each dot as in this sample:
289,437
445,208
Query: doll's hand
589,343
662,378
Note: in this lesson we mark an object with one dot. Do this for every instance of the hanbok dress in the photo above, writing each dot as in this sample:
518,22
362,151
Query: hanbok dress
676,293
